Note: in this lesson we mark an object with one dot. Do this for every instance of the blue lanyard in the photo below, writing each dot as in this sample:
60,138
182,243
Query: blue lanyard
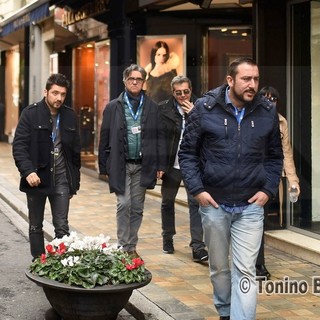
134,116
54,132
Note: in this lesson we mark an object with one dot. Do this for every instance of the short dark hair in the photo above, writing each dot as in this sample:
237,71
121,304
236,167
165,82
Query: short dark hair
233,67
134,67
267,90
180,80
59,79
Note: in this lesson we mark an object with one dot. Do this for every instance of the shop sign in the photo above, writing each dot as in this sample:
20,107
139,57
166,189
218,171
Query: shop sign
88,10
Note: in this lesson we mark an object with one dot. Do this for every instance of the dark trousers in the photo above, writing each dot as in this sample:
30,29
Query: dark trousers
170,185
59,203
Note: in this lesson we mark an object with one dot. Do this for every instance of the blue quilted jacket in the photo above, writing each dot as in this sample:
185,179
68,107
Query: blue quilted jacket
231,161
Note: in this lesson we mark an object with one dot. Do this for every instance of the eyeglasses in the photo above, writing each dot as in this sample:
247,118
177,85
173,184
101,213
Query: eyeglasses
138,80
272,99
180,92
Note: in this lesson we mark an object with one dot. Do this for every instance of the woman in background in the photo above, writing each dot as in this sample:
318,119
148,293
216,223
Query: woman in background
289,171
160,71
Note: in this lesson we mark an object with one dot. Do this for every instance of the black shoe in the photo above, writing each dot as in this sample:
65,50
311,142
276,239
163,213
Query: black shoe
168,245
200,255
225,318
262,272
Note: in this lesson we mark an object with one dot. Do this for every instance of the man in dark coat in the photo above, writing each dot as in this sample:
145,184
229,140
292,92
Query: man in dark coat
46,150
231,161
174,112
132,153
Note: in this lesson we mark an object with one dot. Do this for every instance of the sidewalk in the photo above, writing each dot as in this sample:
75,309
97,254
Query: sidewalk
180,288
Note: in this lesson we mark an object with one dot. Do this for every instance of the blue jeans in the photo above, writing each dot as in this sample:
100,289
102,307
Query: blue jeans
235,290
130,207
170,185
59,203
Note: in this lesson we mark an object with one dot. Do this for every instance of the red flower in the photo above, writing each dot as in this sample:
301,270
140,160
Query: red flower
136,263
62,248
43,258
50,249
129,266
104,245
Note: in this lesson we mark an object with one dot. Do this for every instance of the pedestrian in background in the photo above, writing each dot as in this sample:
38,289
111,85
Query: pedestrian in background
46,150
289,172
132,153
174,112
231,162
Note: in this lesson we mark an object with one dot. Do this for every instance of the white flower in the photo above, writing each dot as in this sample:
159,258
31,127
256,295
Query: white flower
70,261
73,242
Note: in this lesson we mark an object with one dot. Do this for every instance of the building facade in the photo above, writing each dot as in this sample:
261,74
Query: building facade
93,41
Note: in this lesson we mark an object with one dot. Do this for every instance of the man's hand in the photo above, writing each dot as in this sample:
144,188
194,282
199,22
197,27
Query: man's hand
159,174
187,106
205,200
260,198
296,184
33,179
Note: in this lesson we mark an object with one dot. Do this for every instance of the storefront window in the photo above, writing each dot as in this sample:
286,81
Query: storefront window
303,111
225,44
12,93
83,95
102,83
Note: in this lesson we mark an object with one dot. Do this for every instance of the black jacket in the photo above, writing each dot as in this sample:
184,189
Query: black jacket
172,121
232,162
33,147
113,146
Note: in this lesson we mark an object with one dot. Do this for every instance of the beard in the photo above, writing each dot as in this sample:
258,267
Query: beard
241,97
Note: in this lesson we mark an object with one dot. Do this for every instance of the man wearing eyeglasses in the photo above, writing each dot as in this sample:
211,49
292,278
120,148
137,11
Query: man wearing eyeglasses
131,153
174,112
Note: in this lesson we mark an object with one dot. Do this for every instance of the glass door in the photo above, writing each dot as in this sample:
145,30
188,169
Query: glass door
303,112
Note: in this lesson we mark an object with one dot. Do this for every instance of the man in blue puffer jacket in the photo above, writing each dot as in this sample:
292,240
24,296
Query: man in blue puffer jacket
231,161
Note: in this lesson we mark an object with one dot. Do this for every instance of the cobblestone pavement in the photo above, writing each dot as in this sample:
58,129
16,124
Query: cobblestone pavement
179,287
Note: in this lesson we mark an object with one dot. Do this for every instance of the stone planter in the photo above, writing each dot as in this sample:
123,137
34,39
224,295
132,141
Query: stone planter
77,303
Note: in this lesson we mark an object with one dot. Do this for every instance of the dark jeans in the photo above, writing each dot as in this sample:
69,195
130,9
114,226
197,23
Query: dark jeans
59,203
169,189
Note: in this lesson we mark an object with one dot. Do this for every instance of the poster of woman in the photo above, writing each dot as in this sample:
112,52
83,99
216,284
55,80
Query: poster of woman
163,57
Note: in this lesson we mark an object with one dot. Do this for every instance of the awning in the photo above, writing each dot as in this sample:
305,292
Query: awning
24,18
12,28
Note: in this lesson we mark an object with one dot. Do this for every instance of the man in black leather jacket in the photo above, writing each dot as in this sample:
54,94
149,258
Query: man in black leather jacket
174,112
231,160
46,150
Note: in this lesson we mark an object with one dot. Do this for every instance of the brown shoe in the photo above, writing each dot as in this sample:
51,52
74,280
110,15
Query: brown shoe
133,254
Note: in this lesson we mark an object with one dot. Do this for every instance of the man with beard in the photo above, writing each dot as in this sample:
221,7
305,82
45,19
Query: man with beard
231,162
46,150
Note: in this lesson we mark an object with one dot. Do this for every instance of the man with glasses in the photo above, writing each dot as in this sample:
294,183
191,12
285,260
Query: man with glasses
131,153
174,112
